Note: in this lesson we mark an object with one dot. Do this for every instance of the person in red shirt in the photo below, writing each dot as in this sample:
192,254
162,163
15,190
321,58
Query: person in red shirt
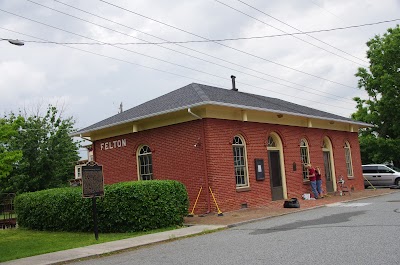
313,180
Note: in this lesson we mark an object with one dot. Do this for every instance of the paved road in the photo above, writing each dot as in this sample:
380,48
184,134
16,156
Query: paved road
360,232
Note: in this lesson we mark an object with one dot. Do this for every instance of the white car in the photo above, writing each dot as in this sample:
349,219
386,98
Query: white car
380,175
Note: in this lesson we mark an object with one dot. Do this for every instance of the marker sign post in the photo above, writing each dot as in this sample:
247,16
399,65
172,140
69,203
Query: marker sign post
93,187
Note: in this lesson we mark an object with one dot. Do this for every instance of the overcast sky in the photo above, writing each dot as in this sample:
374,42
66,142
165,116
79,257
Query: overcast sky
90,80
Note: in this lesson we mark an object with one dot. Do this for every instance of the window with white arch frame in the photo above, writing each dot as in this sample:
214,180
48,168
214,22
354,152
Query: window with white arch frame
304,156
272,142
145,163
240,161
347,154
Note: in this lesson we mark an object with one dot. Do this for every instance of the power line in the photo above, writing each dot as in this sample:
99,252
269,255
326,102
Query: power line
145,55
162,47
152,56
110,57
148,56
238,50
300,31
312,44
213,63
203,72
139,53
333,14
70,32
204,41
167,72
324,8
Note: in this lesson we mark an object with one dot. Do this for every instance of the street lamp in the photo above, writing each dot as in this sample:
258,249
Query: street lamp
15,42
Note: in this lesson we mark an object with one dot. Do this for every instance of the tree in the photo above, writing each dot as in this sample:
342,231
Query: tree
48,153
8,157
381,143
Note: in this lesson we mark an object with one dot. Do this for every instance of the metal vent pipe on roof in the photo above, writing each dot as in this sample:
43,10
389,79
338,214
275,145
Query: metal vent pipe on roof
233,83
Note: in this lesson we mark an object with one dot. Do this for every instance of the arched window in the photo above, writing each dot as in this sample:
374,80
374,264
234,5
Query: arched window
240,161
325,144
145,164
304,156
347,154
271,141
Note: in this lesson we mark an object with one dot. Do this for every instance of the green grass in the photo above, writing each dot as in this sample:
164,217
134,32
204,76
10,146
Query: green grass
21,243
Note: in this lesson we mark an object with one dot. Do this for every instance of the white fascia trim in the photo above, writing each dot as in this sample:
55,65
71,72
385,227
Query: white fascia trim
221,104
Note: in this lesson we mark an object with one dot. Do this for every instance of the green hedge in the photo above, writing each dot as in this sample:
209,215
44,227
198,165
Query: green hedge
126,207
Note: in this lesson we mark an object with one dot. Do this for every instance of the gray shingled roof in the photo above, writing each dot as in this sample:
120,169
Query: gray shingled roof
197,94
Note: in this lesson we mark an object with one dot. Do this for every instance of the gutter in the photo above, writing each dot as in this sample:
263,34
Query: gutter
205,159
203,103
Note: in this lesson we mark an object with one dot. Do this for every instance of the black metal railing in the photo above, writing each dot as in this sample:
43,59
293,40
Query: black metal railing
7,215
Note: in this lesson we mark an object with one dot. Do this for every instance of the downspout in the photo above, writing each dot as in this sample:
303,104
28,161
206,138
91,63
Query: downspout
205,160
94,151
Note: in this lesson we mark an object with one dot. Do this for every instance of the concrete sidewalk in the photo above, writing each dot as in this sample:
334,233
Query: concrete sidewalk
113,246
275,208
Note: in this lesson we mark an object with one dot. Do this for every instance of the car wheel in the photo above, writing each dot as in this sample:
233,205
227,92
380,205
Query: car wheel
397,182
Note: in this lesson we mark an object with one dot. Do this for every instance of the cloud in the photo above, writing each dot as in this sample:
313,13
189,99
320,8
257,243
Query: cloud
93,79
20,81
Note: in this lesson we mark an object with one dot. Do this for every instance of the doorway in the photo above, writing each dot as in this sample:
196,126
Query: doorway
328,171
275,175
328,165
276,164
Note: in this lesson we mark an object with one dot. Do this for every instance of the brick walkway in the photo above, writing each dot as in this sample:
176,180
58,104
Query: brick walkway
275,208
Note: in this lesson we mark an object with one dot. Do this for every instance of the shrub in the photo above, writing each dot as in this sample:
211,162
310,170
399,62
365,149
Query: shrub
126,207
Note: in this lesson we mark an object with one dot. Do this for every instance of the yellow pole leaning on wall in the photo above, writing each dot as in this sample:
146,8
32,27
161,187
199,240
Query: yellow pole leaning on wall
194,206
216,204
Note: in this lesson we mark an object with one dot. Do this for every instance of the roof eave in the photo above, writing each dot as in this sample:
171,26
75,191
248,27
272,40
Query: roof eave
80,133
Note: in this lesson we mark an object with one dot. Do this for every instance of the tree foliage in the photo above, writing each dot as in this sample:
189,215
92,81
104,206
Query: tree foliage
48,152
8,157
381,143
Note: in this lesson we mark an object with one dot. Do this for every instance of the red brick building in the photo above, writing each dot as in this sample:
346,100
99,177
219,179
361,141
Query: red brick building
247,148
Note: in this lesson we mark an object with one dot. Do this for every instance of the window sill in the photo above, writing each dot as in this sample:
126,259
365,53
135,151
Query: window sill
242,189
306,181
350,178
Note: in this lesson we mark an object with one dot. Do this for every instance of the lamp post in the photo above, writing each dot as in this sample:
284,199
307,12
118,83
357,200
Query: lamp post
15,42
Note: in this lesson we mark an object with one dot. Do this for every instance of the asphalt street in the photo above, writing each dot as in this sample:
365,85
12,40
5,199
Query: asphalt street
359,232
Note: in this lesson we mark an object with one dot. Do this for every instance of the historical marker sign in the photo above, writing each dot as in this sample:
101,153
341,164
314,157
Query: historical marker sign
92,180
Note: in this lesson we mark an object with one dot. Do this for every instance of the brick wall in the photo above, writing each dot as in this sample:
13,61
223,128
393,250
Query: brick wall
175,156
173,152
219,135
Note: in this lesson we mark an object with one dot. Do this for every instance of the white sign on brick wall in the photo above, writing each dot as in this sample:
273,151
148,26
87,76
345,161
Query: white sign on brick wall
113,144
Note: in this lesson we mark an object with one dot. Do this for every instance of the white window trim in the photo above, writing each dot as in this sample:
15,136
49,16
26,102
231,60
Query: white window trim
303,163
246,170
78,171
138,162
348,160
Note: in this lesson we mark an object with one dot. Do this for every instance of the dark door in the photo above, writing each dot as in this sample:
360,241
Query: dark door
275,175
328,171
